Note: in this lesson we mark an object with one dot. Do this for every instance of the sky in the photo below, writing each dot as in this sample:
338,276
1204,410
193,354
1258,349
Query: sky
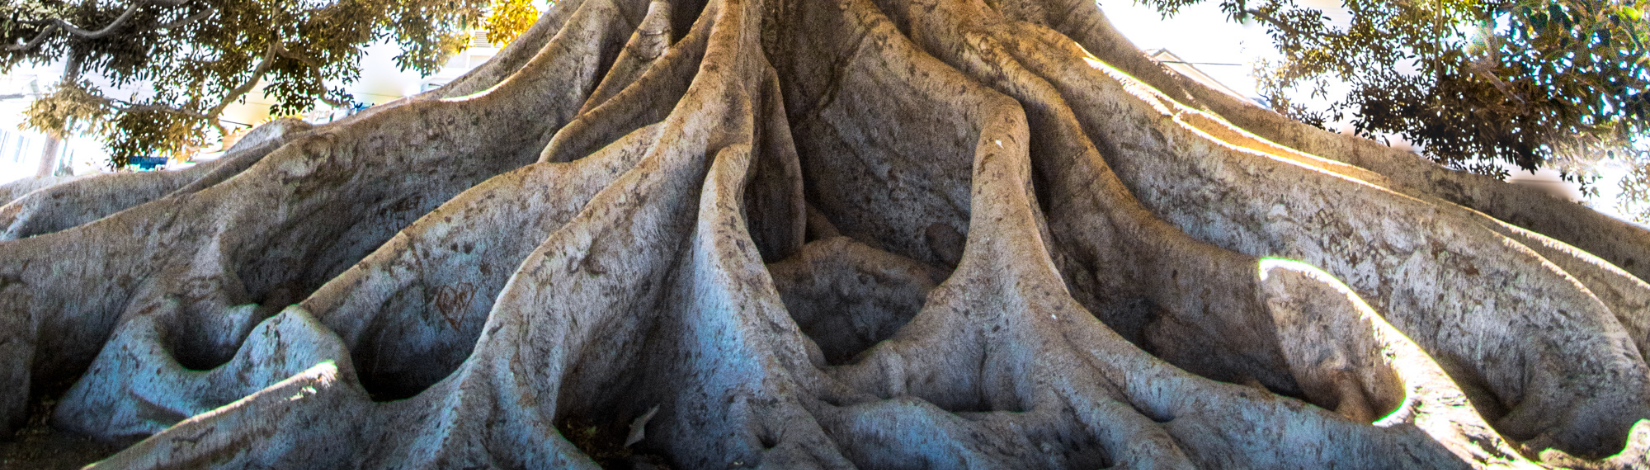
1200,34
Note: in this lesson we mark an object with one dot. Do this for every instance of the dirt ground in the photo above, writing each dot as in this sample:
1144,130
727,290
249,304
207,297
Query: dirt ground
41,447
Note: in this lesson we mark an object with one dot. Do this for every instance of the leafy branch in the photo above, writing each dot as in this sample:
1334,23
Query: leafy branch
53,25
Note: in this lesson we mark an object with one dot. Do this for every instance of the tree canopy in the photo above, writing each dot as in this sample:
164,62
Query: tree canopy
199,56
1473,81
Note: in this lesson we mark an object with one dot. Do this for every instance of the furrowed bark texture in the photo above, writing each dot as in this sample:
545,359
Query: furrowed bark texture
822,234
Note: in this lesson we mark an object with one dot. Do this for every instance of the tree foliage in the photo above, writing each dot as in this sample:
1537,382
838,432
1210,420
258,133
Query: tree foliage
193,58
1473,81
507,19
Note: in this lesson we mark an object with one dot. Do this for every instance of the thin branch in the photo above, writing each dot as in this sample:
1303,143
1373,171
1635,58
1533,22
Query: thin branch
1274,21
257,74
55,24
128,107
283,52
171,110
188,19
334,103
1481,70
210,116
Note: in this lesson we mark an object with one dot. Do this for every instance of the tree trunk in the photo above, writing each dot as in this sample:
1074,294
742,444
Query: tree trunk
48,157
884,234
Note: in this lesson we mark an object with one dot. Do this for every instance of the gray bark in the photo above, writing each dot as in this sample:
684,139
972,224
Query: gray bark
48,157
881,234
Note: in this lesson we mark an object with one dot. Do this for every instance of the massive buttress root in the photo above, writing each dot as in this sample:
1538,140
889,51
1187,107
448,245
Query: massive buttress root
860,233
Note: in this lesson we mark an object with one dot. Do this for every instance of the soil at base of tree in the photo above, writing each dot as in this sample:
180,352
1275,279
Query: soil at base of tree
42,447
